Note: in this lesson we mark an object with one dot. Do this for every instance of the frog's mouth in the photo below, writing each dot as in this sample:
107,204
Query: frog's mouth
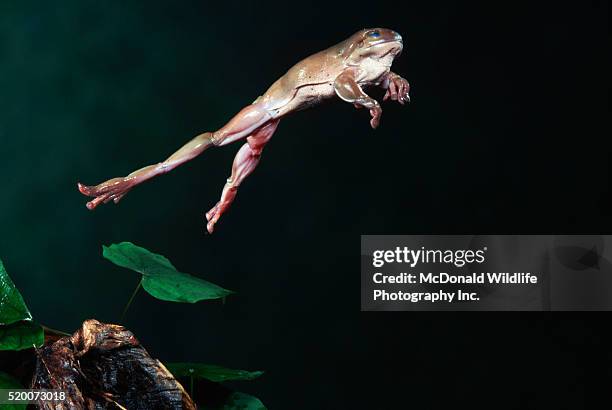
394,51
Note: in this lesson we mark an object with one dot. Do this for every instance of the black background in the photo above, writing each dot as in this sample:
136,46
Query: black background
507,133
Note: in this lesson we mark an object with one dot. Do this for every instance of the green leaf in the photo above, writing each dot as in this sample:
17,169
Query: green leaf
12,307
8,382
17,332
21,335
236,401
210,372
242,401
159,277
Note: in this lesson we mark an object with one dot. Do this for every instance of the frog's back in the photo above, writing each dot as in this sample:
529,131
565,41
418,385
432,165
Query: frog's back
318,68
310,79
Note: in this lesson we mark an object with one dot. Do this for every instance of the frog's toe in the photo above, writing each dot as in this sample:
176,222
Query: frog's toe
375,120
212,217
404,90
212,211
376,113
392,91
84,189
102,199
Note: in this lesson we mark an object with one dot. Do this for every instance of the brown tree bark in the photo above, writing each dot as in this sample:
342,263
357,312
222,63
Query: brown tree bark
103,366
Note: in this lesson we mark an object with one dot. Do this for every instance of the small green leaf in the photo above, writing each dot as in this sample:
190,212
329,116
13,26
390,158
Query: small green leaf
8,382
12,307
243,401
159,277
210,372
181,287
21,335
236,401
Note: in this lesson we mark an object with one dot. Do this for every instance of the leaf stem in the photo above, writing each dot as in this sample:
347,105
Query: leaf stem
131,300
48,329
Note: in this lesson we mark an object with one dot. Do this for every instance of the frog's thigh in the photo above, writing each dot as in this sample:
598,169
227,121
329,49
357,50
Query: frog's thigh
243,124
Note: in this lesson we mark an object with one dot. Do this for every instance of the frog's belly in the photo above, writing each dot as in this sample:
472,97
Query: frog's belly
307,96
371,71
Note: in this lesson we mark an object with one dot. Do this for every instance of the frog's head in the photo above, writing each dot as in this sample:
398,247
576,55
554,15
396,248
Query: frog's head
379,44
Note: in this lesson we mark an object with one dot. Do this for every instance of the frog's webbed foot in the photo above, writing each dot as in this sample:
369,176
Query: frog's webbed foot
375,111
214,214
227,197
397,87
111,190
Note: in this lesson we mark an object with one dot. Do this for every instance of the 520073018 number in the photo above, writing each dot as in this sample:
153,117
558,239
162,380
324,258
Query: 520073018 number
29,395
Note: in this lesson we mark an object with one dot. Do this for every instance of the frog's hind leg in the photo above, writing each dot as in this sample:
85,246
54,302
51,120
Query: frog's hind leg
240,126
243,124
244,164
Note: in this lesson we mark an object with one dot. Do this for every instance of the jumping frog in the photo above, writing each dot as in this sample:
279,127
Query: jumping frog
364,59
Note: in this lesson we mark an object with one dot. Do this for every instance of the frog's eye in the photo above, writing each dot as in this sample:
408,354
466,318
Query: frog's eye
374,34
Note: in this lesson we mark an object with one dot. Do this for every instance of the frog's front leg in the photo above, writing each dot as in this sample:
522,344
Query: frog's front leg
349,90
397,88
244,164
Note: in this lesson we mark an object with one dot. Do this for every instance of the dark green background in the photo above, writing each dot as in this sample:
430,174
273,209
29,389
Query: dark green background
506,134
